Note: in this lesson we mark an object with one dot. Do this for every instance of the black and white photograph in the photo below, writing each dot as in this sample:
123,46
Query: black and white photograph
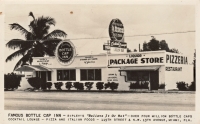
99,58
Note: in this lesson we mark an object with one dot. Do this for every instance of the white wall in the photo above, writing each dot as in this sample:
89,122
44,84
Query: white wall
171,77
186,75
162,75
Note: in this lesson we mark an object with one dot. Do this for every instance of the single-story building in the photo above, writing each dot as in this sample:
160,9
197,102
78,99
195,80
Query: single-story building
154,67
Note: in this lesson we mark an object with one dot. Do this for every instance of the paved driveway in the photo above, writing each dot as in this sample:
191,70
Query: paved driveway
21,100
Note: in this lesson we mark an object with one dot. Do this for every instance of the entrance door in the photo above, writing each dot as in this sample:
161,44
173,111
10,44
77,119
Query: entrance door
43,77
154,80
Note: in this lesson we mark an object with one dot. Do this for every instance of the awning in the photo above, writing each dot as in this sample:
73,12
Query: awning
29,68
140,68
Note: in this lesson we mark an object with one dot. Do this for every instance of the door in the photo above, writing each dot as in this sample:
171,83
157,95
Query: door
44,80
154,80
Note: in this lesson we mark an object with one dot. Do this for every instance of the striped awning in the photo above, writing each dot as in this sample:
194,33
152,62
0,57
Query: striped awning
29,68
140,68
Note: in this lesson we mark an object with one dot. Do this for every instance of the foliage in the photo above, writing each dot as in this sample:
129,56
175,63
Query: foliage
192,86
173,50
182,86
78,86
155,45
128,50
145,47
99,85
35,82
137,85
111,85
58,85
48,85
89,85
164,45
68,85
38,41
162,86
11,81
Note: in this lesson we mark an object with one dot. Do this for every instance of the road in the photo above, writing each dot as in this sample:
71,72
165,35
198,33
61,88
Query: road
21,100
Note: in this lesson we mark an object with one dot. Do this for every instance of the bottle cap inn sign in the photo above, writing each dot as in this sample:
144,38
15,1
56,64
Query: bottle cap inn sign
65,52
116,30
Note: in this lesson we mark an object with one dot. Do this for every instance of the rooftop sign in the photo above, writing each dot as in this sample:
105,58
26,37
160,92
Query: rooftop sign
116,30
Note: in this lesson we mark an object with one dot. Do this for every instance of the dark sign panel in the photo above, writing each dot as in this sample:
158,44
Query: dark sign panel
116,30
118,44
106,47
65,52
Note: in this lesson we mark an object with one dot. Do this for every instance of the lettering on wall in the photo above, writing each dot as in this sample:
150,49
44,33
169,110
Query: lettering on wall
176,59
173,68
112,77
43,61
89,59
136,59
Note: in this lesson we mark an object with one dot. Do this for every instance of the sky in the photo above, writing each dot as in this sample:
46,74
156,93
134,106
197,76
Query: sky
92,21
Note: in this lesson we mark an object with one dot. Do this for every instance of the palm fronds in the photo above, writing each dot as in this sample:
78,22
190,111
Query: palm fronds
18,43
16,54
18,27
54,34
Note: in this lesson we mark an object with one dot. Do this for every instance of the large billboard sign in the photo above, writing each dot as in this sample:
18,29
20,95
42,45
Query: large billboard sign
65,52
116,30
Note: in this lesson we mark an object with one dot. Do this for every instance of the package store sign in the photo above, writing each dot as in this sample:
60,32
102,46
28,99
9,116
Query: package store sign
116,30
65,52
136,59
89,60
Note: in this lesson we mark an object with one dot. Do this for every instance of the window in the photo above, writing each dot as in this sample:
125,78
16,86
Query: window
38,74
66,75
90,74
48,76
137,76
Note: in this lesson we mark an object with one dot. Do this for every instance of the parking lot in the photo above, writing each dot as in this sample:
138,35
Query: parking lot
21,100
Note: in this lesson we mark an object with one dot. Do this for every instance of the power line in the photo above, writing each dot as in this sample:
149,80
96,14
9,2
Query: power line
180,32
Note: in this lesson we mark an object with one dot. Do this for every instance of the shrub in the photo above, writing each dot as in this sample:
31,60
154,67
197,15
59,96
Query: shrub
137,85
192,86
58,85
89,85
68,85
43,85
182,86
78,86
99,85
111,85
11,81
48,85
161,86
107,85
35,82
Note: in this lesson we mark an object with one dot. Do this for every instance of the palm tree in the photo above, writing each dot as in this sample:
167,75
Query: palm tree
38,41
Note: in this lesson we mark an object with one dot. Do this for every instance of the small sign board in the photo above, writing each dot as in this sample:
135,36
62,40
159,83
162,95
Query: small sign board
106,47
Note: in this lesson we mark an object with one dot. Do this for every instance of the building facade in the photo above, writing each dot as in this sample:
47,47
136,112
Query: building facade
154,67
